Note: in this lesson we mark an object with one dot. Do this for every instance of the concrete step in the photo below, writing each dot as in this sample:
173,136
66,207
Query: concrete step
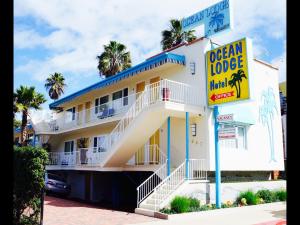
147,206
145,212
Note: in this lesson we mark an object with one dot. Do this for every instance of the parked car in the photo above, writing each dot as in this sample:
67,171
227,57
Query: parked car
56,184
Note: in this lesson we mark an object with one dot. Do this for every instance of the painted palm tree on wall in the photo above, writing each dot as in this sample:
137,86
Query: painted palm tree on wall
266,115
114,59
236,79
24,99
175,36
55,84
216,19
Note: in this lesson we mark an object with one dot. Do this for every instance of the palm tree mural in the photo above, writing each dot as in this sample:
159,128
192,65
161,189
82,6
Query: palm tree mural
236,79
216,19
114,59
55,84
175,35
266,115
24,99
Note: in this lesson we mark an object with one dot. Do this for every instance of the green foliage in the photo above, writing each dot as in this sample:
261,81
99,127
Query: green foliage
167,211
280,195
17,123
29,169
251,198
267,195
180,204
194,203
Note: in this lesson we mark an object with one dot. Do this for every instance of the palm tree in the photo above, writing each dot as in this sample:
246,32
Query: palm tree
25,99
175,36
114,59
216,19
55,85
266,115
236,79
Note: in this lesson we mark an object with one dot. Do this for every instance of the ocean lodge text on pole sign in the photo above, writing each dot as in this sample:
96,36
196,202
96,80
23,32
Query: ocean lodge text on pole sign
215,18
227,73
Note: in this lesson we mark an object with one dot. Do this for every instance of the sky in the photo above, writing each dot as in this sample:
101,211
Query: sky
66,35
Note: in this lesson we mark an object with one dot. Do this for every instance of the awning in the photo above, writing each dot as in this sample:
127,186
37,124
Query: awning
144,66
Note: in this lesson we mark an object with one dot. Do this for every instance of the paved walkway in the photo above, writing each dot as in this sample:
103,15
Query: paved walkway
65,212
265,214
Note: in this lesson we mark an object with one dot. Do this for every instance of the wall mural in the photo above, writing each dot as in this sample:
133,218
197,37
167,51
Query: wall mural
266,116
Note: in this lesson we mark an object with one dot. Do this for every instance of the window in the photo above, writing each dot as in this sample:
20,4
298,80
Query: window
99,144
100,103
29,136
70,114
118,102
69,146
240,140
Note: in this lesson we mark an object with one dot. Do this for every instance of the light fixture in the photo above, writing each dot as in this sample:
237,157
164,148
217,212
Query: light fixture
192,68
194,129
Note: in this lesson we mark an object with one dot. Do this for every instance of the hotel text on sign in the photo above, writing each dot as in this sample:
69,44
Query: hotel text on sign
227,73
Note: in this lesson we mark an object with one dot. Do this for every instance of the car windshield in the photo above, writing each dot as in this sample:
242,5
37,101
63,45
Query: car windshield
55,177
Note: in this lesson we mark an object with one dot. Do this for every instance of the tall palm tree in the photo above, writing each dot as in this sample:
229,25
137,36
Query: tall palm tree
55,85
266,115
114,59
236,79
175,36
25,99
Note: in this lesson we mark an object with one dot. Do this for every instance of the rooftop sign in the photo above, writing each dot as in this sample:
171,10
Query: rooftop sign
216,18
227,73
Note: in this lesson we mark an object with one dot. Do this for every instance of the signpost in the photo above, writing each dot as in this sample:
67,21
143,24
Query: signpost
216,19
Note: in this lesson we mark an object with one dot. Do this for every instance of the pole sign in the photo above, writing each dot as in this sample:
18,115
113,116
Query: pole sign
216,18
227,73
227,133
225,118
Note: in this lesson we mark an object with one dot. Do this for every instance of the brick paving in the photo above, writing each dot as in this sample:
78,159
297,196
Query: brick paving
59,211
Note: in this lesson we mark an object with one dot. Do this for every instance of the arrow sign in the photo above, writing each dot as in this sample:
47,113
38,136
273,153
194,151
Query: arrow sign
222,95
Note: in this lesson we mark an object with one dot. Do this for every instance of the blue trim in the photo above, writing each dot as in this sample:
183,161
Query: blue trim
187,142
144,66
217,159
18,129
169,147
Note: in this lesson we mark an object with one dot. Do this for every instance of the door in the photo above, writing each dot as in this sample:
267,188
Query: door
139,88
154,85
153,148
87,111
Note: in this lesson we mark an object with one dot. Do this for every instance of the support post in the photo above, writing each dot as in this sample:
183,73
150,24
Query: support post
169,147
217,160
187,140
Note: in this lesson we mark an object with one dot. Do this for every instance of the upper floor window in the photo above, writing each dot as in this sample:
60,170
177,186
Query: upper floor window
101,103
70,114
240,140
122,95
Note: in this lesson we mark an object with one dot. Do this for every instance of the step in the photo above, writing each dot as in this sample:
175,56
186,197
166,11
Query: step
145,212
147,206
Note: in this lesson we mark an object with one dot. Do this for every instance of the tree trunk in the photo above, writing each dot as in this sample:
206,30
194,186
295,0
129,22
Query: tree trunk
239,95
237,91
24,128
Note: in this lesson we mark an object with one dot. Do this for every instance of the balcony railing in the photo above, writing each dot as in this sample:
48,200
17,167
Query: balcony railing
69,120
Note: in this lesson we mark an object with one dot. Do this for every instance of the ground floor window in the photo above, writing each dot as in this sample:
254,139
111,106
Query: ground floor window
69,146
99,143
240,139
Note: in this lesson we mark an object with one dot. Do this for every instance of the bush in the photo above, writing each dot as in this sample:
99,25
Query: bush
29,170
180,204
251,198
167,211
194,203
280,195
267,195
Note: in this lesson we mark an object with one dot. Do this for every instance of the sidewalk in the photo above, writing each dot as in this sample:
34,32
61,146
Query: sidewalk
265,214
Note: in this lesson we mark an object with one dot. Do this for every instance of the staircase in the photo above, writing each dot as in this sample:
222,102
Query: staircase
154,198
142,119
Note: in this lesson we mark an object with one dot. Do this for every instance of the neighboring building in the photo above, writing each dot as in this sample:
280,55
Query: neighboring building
130,130
283,106
30,134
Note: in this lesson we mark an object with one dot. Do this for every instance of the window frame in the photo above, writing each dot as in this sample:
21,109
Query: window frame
74,146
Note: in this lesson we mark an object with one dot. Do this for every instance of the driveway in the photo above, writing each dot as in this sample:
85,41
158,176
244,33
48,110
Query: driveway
59,211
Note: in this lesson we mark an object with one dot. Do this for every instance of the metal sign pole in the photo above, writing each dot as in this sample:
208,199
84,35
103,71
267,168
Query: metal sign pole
217,159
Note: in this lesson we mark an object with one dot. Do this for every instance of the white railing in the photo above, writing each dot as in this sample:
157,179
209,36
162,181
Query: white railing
74,158
197,169
162,91
147,187
148,155
68,120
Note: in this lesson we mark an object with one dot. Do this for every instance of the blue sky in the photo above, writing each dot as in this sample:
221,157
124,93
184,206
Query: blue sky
66,35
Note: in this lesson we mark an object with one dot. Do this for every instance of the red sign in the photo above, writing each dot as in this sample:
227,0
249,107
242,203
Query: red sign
222,95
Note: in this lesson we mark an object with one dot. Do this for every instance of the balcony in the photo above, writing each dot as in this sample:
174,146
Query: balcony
92,116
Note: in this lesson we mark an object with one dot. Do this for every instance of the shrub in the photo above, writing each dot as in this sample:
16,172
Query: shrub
280,195
267,195
251,198
167,211
180,204
194,203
